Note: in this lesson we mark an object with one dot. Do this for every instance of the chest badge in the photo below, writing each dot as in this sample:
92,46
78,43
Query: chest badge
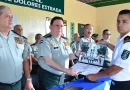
18,40
125,54
52,44
66,43
127,39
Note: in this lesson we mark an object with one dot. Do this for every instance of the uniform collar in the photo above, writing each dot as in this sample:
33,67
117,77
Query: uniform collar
119,38
10,33
90,40
105,40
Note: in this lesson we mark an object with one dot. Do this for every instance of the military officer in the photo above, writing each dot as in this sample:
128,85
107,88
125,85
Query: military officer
88,30
73,46
106,34
95,37
73,43
35,49
12,50
54,55
119,71
35,66
18,29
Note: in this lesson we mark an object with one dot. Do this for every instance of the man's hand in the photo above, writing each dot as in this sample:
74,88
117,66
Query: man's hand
102,42
78,53
28,85
92,77
72,72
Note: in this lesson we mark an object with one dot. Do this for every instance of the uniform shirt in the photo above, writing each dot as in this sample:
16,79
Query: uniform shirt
82,40
121,58
58,50
11,59
34,50
73,46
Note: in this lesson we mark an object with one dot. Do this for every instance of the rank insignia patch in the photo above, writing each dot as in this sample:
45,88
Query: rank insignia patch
125,54
41,41
127,39
52,43
66,43
18,40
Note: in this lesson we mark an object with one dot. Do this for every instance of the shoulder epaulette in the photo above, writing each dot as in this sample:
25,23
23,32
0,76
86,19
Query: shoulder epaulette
19,34
47,35
72,42
64,37
25,38
16,33
33,44
127,39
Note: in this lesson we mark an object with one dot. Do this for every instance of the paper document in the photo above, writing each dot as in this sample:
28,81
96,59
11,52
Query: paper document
86,69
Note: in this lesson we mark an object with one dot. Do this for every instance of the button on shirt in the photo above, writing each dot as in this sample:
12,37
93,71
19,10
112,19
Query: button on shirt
117,59
11,61
58,50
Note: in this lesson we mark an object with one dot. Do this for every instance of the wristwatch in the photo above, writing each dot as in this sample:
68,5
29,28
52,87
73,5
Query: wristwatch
29,78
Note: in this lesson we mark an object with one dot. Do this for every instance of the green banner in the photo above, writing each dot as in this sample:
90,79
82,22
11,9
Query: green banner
100,3
72,28
56,6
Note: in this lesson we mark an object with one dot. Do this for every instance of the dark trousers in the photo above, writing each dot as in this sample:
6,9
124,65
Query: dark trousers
48,80
16,86
120,85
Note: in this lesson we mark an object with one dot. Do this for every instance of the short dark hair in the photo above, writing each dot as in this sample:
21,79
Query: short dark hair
36,36
56,18
125,11
87,25
95,35
17,26
104,31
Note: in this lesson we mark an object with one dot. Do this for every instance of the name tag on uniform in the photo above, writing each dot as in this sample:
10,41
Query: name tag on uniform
66,43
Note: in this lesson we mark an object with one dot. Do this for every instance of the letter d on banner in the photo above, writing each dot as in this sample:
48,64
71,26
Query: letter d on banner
72,27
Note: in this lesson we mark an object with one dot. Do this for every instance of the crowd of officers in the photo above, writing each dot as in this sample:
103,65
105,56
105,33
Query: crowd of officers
43,65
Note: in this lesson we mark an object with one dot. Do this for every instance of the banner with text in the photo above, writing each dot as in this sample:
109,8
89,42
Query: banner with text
56,6
72,28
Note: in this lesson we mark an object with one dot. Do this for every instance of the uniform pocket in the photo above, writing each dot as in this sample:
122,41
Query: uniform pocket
20,48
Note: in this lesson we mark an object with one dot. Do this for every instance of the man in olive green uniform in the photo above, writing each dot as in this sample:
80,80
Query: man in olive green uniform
54,54
12,52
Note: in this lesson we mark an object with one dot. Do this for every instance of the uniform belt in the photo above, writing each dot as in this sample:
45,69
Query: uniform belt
10,84
120,82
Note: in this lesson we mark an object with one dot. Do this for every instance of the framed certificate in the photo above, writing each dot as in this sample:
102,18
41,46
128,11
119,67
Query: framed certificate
91,59
93,54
